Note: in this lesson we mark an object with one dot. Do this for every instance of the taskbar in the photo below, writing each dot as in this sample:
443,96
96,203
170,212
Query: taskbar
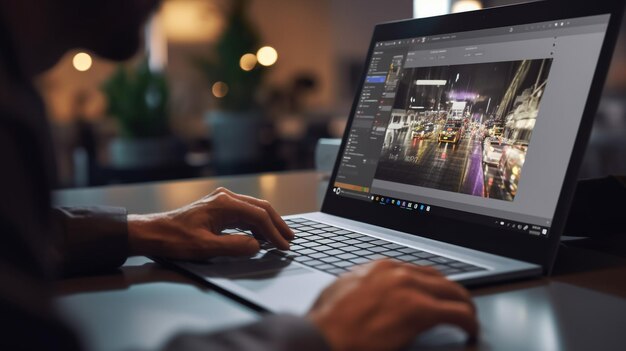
427,209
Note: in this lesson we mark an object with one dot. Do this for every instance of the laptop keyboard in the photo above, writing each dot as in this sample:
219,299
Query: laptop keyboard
335,250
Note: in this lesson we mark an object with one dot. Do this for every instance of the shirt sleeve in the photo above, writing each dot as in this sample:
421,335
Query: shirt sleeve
273,333
91,239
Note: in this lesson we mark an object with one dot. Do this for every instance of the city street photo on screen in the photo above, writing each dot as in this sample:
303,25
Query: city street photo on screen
464,128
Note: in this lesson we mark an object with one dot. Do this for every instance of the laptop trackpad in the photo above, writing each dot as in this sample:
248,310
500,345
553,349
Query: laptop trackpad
272,281
259,267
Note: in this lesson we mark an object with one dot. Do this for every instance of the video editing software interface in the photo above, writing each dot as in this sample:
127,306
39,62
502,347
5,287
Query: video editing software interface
479,123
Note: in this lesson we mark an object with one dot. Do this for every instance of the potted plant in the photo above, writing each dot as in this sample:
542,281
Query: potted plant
236,120
138,99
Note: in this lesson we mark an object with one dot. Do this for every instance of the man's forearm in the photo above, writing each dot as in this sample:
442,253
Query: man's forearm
92,239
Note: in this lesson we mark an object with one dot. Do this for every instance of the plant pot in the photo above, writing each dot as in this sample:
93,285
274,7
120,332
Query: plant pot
139,153
235,136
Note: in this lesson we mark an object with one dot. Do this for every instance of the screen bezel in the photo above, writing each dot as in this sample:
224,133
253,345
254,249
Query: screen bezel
524,247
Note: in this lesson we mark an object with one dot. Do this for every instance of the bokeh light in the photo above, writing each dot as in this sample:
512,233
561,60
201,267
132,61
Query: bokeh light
247,62
219,89
82,62
267,56
466,5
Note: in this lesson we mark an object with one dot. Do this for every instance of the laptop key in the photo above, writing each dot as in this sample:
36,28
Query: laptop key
334,252
440,267
392,246
349,248
460,264
408,250
362,252
406,258
347,256
307,252
423,263
330,259
442,260
326,241
360,260
315,263
340,238
325,267
318,255
321,248
364,245
376,257
392,253
424,254
343,264
378,249
464,266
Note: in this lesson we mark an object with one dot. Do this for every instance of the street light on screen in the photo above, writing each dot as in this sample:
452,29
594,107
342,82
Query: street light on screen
433,82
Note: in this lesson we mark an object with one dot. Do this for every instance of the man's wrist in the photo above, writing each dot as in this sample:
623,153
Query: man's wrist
145,233
138,232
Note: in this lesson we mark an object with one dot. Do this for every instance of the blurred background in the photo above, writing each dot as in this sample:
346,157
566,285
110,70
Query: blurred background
243,86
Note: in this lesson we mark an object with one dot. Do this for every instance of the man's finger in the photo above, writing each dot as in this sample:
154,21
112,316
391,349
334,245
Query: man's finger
253,217
233,245
280,224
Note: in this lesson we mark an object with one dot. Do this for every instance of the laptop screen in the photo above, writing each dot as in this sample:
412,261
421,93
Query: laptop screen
477,125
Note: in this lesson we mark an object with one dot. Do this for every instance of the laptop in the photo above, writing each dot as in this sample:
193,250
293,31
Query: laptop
461,153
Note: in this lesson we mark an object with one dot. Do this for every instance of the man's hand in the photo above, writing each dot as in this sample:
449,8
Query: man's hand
192,232
385,304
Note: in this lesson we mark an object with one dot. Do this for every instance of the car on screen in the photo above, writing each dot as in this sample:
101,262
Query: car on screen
496,131
451,132
511,163
492,151
424,131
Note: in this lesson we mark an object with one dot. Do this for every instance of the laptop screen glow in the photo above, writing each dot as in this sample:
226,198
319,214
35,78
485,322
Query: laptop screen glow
482,122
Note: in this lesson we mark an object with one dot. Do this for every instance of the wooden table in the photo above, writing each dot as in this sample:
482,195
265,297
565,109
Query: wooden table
581,307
